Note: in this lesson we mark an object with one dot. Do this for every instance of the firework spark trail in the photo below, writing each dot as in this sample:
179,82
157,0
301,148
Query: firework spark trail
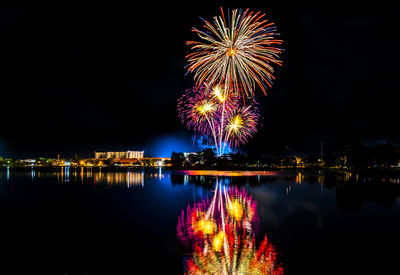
238,55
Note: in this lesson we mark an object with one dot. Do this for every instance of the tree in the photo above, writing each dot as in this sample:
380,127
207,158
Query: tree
312,159
177,159
193,159
383,155
376,156
238,159
208,157
331,160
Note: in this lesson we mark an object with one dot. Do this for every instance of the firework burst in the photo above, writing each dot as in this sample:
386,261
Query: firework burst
197,108
219,114
237,54
241,125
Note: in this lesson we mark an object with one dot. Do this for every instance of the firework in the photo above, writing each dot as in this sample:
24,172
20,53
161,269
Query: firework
241,125
218,114
198,109
237,54
221,231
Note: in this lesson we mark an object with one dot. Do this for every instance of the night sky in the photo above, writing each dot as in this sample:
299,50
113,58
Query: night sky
79,80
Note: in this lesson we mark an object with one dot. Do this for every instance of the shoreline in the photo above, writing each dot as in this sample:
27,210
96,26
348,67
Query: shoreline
212,170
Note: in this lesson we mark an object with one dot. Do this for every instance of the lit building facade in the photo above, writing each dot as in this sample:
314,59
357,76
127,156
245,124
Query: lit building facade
187,154
119,155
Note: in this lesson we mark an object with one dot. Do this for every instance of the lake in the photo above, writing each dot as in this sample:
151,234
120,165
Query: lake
86,221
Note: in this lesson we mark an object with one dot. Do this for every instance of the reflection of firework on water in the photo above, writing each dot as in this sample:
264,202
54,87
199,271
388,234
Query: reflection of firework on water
227,206
218,114
221,231
237,53
243,257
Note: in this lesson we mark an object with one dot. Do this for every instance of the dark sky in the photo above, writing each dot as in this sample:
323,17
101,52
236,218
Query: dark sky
78,80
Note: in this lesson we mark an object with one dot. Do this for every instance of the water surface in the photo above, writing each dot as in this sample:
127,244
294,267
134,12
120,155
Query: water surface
118,222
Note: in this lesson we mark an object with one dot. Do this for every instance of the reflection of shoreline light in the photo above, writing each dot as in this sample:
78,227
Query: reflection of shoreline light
299,177
87,176
120,178
66,174
227,173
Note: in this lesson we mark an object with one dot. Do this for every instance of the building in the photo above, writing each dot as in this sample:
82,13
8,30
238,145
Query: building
187,154
119,155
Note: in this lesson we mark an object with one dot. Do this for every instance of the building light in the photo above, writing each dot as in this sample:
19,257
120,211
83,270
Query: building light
120,155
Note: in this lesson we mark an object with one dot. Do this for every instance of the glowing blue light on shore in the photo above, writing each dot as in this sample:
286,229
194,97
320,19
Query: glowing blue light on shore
164,146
